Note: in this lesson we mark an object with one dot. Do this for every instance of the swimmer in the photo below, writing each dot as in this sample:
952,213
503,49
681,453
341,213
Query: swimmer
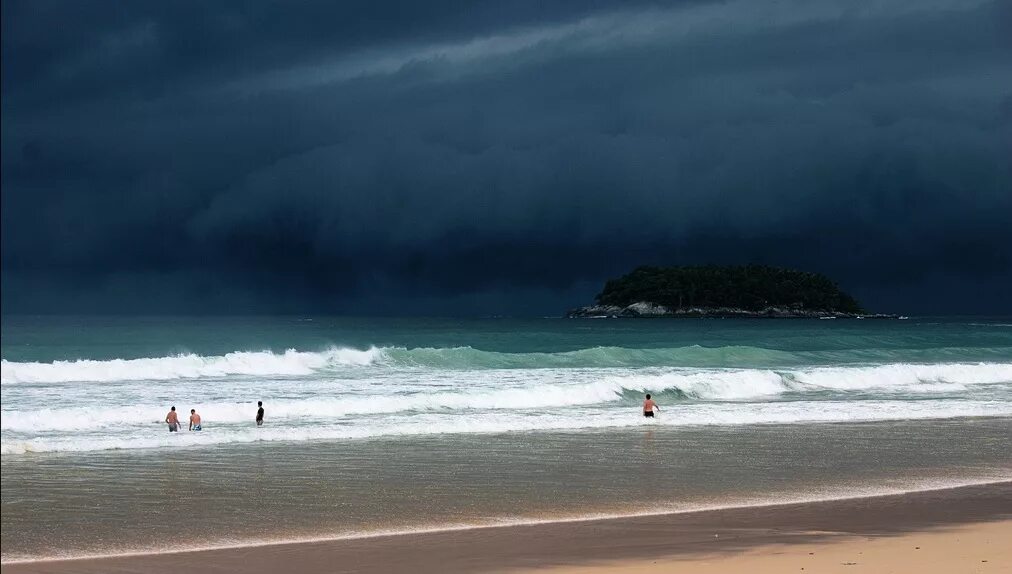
173,420
649,406
194,420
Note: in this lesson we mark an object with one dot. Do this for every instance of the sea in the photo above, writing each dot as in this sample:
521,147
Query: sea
384,425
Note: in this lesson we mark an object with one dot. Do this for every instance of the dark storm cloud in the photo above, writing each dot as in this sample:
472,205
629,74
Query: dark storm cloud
179,157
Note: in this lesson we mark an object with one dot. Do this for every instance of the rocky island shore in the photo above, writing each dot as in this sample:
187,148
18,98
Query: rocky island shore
734,292
647,309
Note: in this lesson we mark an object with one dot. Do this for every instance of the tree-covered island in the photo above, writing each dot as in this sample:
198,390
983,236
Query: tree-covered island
723,291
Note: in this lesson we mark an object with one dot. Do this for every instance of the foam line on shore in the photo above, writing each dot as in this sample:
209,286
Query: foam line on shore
842,494
825,412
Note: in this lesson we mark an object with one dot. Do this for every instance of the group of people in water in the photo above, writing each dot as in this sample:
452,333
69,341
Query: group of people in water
649,408
172,419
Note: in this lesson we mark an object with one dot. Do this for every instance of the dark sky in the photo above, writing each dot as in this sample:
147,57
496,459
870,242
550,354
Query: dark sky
451,157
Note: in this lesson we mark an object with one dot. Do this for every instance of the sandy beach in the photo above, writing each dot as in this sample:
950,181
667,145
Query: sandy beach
980,547
951,530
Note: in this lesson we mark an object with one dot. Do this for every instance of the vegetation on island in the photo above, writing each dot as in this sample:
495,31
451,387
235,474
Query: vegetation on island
746,287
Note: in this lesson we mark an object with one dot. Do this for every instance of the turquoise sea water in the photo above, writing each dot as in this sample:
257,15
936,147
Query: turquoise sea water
80,384
474,421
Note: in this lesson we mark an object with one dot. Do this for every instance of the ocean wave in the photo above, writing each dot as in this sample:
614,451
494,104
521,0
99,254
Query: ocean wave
901,376
297,363
190,366
693,355
475,392
743,384
305,363
689,356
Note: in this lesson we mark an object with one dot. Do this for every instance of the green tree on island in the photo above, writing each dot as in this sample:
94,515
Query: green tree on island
748,287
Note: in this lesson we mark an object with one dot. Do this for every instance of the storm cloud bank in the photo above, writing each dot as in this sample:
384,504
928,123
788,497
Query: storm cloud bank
499,158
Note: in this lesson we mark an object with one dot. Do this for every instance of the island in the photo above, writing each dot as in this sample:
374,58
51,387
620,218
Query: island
737,291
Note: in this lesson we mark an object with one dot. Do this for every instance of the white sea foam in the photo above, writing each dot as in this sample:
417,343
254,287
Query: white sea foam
299,363
898,375
350,393
320,408
322,400
574,418
262,363
709,384
304,363
732,384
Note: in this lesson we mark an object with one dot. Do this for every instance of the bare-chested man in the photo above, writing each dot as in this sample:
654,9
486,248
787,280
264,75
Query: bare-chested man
194,420
649,406
173,420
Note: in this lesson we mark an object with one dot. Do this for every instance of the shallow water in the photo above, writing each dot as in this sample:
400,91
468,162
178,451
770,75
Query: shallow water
403,424
157,499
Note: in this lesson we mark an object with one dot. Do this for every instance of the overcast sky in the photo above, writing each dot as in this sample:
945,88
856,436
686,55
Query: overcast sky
498,157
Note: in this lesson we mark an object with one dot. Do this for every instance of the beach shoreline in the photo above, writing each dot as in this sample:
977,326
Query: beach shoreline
977,547
624,543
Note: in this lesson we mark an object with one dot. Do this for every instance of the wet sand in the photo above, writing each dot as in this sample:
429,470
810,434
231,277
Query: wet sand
979,547
957,530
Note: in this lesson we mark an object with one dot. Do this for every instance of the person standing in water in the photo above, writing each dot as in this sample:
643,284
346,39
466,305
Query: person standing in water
260,413
194,420
173,420
649,406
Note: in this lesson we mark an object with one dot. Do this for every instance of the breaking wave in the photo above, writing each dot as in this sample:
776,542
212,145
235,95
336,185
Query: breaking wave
383,391
324,403
190,366
304,363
